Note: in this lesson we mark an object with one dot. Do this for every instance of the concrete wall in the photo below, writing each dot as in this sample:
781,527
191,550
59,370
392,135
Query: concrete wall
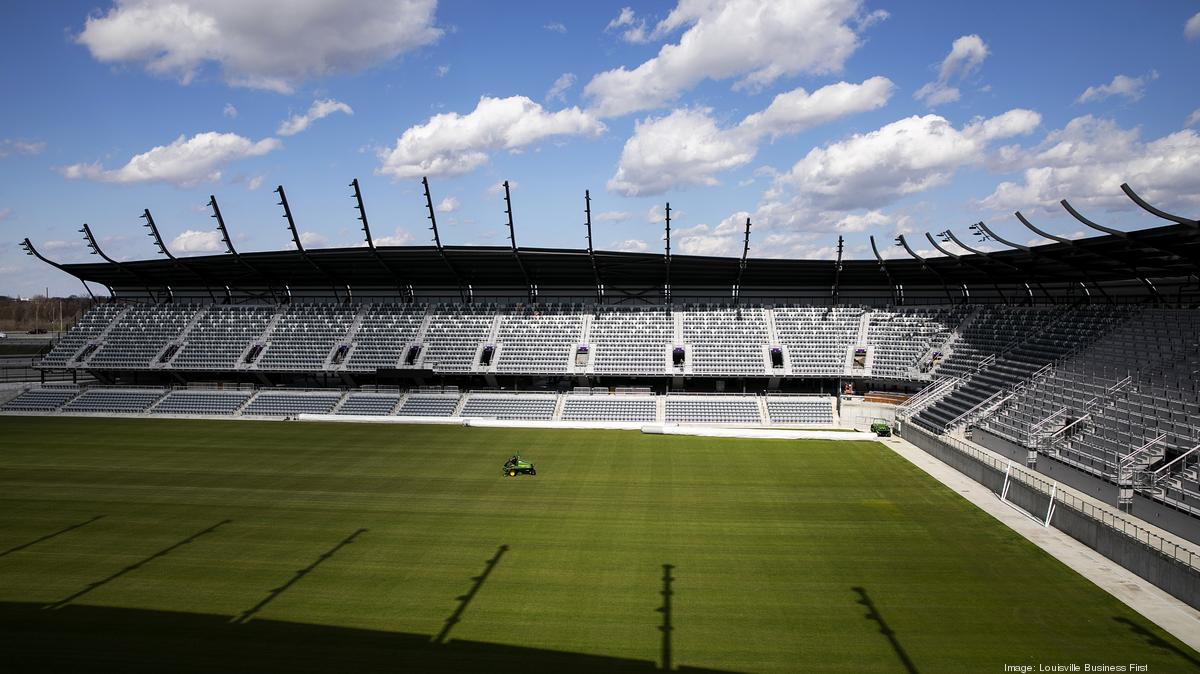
857,414
1172,576
1158,514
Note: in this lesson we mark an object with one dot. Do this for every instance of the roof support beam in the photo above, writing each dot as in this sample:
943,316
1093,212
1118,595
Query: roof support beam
27,246
837,272
1129,264
403,287
737,284
900,241
1081,269
984,255
587,212
530,287
966,262
897,290
464,289
216,213
96,250
982,229
162,248
1133,196
287,214
667,259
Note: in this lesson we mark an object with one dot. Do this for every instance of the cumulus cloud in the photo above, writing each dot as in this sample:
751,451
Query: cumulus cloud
185,162
558,90
255,44
1191,29
319,109
193,241
11,146
1193,118
1087,160
452,144
313,239
443,70
556,27
447,205
612,216
632,29
631,246
966,56
400,237
784,38
254,182
724,239
230,111
687,147
1132,88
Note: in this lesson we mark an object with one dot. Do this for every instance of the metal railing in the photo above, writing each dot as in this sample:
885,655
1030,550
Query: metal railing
1120,524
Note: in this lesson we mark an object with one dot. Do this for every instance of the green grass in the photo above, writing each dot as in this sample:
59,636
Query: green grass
767,540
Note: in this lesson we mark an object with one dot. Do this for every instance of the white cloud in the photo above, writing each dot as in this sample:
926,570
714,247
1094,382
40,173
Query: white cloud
447,205
10,146
61,245
497,188
230,111
612,216
319,109
255,182
5,213
687,147
631,246
724,239
556,27
193,241
1086,162
634,28
558,90
654,215
966,56
757,41
313,239
1191,29
1132,88
904,157
860,222
185,162
452,144
400,237
259,45
443,70
1194,118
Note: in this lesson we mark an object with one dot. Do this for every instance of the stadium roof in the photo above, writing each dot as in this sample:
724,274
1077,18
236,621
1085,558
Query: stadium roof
1171,251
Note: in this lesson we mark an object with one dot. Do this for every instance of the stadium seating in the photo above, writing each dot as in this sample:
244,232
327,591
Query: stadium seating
140,334
818,338
90,325
510,406
429,405
291,403
40,400
373,404
221,335
631,341
538,339
726,341
385,329
454,334
117,400
202,402
806,410
712,410
610,408
305,336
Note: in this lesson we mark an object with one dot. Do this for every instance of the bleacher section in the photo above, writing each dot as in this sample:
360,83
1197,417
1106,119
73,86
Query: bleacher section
40,400
805,410
429,405
119,400
818,338
91,324
902,337
373,404
202,402
726,341
291,403
220,336
538,340
140,334
712,410
610,408
631,341
508,407
385,329
305,336
454,334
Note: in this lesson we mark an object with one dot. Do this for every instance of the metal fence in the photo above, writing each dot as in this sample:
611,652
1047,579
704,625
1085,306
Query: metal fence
1111,520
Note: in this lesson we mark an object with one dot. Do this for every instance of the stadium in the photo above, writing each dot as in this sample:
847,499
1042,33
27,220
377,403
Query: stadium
290,460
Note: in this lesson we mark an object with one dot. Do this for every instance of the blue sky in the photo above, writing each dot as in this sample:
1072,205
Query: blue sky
814,119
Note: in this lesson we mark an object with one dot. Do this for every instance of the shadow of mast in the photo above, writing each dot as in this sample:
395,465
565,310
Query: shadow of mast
274,593
665,610
47,537
873,614
465,599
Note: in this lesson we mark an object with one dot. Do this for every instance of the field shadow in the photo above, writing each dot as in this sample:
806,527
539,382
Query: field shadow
274,593
465,600
665,610
83,638
1156,641
135,566
47,537
874,615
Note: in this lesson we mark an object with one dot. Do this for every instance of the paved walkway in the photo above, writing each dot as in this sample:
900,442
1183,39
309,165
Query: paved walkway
1167,612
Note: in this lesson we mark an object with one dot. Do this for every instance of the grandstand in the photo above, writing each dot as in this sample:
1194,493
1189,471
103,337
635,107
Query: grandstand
1082,351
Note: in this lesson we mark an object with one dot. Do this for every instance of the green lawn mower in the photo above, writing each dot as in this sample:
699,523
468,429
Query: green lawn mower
881,428
517,466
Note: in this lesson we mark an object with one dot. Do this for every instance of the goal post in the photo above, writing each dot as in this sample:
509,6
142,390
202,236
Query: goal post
1008,480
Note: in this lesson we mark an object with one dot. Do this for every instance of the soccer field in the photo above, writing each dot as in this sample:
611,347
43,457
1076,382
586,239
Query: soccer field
169,545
